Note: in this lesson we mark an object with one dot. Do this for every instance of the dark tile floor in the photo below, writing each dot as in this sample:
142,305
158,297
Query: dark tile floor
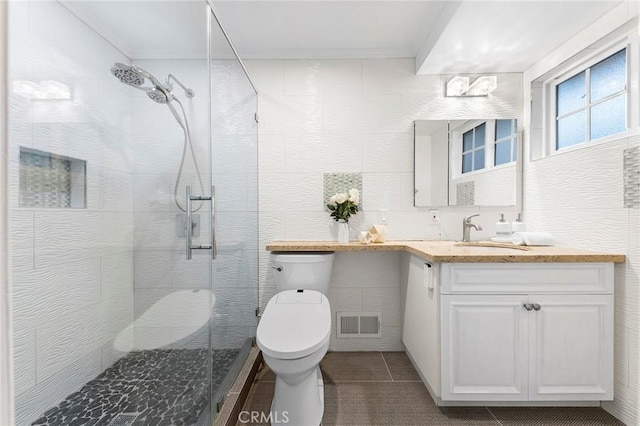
152,387
383,388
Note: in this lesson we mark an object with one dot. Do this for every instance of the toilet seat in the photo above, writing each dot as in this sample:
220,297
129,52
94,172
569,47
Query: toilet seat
295,323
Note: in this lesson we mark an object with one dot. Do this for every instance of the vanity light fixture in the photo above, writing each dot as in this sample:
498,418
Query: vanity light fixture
482,86
457,86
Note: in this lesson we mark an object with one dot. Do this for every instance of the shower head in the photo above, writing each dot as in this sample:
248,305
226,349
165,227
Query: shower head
136,77
158,95
128,74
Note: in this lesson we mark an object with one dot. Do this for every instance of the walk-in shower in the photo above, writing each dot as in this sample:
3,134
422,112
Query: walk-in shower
112,322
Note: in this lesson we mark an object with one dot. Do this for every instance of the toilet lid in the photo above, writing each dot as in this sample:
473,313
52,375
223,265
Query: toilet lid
294,324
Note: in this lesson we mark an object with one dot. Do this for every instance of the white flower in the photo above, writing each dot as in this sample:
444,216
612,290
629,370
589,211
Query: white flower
332,200
354,196
341,198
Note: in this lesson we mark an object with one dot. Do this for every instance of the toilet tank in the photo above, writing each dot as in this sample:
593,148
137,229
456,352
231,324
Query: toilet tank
310,270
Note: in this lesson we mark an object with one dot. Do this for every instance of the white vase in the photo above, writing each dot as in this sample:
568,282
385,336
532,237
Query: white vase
343,232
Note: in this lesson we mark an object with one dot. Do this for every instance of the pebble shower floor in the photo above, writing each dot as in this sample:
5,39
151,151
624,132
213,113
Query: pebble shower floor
151,387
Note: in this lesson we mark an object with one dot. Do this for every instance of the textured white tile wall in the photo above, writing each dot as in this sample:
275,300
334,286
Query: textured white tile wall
53,389
578,209
578,197
320,116
72,277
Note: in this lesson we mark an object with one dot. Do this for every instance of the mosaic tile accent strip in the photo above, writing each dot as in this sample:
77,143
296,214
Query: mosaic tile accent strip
150,387
631,169
45,180
466,193
341,182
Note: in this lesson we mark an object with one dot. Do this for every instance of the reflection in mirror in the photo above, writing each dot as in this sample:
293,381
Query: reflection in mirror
466,162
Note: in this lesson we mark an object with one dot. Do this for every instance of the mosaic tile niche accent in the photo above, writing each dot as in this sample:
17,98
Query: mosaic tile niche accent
341,182
51,181
465,193
631,169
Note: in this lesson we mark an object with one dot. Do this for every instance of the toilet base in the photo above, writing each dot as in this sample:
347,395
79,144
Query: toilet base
301,404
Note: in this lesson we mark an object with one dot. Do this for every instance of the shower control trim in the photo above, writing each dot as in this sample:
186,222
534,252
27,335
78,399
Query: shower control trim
190,246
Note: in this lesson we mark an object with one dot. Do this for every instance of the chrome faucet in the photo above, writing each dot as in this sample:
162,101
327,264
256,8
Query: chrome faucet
466,227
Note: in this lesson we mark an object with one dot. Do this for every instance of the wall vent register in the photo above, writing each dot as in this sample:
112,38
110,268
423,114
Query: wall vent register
359,324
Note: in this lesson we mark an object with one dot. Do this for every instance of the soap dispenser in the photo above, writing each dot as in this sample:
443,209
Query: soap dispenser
503,228
518,225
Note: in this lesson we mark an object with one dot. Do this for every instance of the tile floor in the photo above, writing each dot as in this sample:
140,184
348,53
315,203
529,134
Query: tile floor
383,388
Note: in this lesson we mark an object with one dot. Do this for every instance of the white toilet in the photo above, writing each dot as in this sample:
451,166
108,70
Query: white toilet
294,333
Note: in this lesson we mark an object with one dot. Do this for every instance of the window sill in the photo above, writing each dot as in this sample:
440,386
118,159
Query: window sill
597,142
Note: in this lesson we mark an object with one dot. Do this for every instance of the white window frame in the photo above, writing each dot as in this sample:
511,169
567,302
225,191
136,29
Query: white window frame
550,90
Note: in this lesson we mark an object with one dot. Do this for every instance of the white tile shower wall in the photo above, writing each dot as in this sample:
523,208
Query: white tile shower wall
578,197
349,115
72,277
161,269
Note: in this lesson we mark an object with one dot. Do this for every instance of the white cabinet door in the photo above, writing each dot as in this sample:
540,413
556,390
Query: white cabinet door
484,348
571,348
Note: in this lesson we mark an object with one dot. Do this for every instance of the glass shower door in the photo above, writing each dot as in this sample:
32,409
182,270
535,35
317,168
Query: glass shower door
234,149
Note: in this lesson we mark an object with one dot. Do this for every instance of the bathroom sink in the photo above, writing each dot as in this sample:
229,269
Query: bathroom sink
489,244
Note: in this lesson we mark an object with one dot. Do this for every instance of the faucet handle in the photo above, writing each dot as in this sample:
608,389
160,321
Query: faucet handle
467,219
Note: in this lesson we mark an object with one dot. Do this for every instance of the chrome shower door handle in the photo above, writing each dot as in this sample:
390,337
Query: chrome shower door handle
188,228
214,217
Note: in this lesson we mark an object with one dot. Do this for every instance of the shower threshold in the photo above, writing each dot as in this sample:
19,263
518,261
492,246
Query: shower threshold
149,387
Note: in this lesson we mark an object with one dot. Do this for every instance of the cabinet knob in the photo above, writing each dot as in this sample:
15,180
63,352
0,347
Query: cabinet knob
528,306
536,306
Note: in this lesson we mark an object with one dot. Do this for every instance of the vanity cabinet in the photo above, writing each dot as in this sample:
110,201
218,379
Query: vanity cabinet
496,349
519,333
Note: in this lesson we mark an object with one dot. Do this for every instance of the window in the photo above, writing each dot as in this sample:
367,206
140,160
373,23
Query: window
592,104
505,141
473,143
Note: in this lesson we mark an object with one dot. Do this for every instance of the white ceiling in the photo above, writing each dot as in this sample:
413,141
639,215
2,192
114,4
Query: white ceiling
328,29
444,36
148,29
508,36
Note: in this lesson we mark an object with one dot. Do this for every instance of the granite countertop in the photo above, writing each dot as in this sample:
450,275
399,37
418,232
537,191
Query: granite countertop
450,252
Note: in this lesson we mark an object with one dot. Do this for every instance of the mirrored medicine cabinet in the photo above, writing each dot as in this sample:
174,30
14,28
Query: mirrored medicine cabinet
467,162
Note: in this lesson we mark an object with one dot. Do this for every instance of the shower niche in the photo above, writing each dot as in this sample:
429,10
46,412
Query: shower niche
48,180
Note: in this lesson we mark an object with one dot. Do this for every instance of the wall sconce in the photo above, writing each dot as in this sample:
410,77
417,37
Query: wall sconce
44,90
482,86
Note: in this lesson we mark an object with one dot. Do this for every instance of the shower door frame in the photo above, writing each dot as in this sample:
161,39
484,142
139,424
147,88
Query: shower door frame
218,398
